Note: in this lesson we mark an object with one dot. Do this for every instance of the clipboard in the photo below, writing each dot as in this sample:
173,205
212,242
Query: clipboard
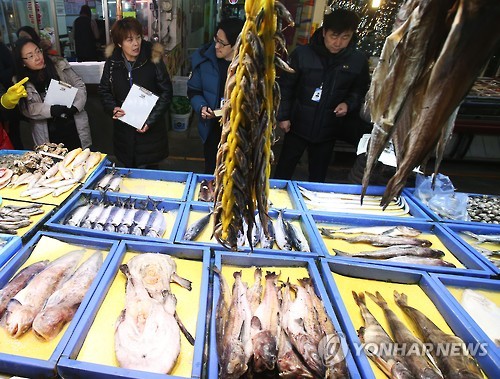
137,106
60,93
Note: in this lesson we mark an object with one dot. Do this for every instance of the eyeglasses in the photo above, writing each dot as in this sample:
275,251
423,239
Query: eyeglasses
31,57
218,41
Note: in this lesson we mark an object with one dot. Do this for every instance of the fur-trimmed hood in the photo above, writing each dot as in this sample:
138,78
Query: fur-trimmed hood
153,50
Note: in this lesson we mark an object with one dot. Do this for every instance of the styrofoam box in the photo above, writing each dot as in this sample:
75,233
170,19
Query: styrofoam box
414,211
70,365
456,310
12,245
56,222
476,228
168,185
440,237
280,264
388,279
282,194
201,209
35,367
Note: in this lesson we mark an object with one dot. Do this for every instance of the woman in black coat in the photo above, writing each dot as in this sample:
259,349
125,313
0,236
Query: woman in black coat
135,61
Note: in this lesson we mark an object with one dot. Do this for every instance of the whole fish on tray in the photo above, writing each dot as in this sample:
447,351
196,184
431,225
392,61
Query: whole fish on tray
421,261
414,350
194,230
373,337
378,240
147,336
25,305
62,305
18,282
458,364
481,238
394,251
387,230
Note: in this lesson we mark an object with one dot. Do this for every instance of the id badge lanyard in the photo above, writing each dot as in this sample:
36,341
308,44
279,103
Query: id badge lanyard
316,97
129,69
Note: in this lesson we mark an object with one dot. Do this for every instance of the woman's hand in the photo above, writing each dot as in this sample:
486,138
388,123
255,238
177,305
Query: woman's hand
117,113
341,110
207,113
144,129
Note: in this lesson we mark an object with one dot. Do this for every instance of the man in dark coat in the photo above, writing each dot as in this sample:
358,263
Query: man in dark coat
86,34
135,61
329,84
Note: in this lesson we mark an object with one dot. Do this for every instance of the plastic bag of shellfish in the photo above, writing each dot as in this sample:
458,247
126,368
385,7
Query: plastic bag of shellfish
451,206
425,191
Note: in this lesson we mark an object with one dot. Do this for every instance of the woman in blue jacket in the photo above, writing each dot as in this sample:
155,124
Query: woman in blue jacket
206,84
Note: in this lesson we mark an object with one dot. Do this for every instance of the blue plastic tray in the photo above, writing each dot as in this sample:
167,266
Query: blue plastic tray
70,367
460,315
56,221
414,211
287,214
474,266
156,175
12,245
259,260
32,367
291,200
477,228
392,275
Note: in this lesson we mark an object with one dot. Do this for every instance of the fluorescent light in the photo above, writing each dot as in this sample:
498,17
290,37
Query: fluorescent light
376,3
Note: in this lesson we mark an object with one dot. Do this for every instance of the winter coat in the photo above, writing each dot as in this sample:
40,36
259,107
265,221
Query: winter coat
203,85
343,77
135,149
38,112
85,38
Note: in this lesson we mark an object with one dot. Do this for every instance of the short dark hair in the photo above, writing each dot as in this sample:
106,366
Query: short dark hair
232,27
341,20
32,33
122,28
85,10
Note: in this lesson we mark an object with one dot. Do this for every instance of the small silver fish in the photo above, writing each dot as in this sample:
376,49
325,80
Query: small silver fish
197,227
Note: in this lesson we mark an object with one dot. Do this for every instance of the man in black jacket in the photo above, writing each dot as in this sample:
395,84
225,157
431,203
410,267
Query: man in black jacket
329,84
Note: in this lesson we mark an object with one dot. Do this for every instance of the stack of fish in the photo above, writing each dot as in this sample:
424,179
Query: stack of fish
14,217
147,333
426,68
406,356
46,295
128,217
399,244
269,333
111,181
249,118
284,233
59,178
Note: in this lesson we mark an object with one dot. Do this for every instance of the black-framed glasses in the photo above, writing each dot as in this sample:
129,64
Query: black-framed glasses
36,53
218,41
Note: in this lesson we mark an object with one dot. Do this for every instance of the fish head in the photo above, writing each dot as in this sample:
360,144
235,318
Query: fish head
18,318
265,351
233,362
310,353
49,322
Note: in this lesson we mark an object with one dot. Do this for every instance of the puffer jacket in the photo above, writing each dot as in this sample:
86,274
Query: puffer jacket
135,149
343,77
203,85
38,112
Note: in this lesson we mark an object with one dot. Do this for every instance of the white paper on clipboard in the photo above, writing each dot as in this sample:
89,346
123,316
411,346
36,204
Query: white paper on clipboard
138,106
60,93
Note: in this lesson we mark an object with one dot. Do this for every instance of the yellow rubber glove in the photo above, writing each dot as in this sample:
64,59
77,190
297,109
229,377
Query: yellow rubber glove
10,99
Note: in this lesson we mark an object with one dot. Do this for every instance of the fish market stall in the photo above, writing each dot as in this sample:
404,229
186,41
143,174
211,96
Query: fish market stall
108,344
9,245
169,185
367,298
282,194
290,234
346,198
411,244
51,280
319,344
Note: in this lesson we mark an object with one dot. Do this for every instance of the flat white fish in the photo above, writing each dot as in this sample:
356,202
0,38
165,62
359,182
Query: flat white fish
484,312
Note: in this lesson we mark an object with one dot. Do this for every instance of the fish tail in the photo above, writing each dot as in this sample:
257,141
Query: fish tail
401,299
359,298
393,189
377,299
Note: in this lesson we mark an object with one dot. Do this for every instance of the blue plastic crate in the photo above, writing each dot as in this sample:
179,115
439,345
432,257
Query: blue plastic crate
473,265
298,218
36,367
415,213
56,221
393,278
282,193
181,179
279,263
460,315
12,245
69,366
